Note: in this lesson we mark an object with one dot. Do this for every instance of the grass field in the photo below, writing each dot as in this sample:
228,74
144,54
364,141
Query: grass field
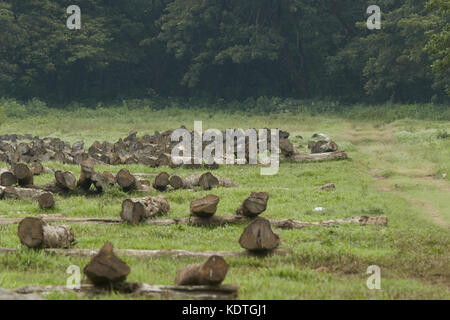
395,170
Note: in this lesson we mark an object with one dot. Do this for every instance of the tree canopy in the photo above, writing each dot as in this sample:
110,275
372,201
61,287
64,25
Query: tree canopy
225,48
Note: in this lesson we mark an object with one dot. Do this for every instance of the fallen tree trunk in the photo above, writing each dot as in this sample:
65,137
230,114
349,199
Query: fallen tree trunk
135,289
23,174
135,210
259,236
204,207
158,253
338,155
45,199
36,233
253,205
217,221
211,272
106,268
7,178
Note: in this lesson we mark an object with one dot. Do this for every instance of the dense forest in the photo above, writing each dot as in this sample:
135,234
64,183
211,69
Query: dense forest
232,49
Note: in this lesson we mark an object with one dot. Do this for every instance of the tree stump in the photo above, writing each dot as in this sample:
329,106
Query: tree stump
204,207
106,269
211,272
253,205
258,236
36,233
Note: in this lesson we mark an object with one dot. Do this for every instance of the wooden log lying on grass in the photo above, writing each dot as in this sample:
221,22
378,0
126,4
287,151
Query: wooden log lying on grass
158,253
215,221
135,210
106,268
211,272
178,182
338,155
7,178
206,181
23,174
221,292
126,180
45,199
161,181
87,170
65,180
254,205
259,236
204,207
37,168
36,233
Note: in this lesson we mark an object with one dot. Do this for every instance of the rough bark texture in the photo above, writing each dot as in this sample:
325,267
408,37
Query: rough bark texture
207,181
37,168
211,272
7,178
106,268
259,236
36,233
136,210
44,198
253,205
204,207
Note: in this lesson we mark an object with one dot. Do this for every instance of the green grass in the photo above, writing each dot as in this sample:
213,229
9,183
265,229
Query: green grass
386,175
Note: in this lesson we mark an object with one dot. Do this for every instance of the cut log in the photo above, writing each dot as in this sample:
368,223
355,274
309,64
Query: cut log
126,180
136,210
106,268
110,178
204,207
259,236
87,170
36,233
37,168
338,155
100,181
161,181
44,198
211,272
65,180
253,205
23,174
7,178
207,181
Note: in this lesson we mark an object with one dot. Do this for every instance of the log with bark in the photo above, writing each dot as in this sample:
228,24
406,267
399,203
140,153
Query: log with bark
23,174
87,170
259,236
37,168
221,292
36,233
136,210
326,186
45,199
204,207
338,155
161,181
211,272
173,253
65,180
106,268
254,205
7,178
207,181
126,180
